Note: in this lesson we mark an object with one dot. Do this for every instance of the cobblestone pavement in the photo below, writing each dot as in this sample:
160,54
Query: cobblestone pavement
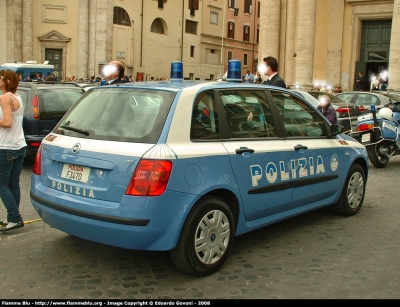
318,255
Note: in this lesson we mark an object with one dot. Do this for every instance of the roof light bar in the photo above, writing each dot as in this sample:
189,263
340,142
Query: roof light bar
176,71
234,71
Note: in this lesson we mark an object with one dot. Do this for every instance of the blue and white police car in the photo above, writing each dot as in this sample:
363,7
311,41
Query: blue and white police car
185,166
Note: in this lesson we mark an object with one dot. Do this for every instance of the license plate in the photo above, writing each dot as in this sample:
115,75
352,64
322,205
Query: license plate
75,172
365,138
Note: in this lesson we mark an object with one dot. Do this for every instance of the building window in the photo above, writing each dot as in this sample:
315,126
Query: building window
192,51
121,17
193,6
247,6
258,35
214,17
245,59
157,26
231,4
231,29
230,55
161,3
191,26
246,33
258,10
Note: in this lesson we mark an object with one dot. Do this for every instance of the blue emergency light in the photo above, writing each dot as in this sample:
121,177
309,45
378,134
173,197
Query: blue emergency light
234,71
176,71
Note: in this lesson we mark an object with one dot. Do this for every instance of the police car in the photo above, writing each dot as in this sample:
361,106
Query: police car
185,166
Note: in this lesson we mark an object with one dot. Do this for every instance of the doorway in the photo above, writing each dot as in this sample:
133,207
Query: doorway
374,52
54,56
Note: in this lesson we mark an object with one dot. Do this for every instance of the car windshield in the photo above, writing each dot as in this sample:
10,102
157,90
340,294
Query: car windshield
118,114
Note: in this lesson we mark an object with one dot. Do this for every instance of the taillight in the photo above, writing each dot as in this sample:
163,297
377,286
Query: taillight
35,107
150,178
363,127
37,163
343,110
361,108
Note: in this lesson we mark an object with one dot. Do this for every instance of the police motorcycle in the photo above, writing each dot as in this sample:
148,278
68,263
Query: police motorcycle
379,132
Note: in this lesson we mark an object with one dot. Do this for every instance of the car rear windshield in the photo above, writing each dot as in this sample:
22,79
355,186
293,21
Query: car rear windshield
118,114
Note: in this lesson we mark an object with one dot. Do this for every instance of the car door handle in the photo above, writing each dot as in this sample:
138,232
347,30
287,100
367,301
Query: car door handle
298,147
244,149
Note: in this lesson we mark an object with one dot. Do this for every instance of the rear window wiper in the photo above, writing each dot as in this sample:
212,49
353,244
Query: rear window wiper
81,131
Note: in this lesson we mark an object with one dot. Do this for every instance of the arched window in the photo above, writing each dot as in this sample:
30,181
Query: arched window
121,17
157,26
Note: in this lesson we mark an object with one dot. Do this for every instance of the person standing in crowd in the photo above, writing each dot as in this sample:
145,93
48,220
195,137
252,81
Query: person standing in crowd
360,81
327,109
114,72
383,81
271,72
249,77
258,78
12,149
374,84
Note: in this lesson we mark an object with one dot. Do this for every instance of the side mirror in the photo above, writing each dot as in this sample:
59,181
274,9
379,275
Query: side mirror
336,129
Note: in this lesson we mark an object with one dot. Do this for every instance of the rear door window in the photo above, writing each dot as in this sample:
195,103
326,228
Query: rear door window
24,97
54,103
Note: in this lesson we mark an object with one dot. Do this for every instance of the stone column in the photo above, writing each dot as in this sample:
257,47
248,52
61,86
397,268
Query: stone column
335,34
269,29
27,44
305,42
83,39
102,49
16,31
92,66
394,60
289,73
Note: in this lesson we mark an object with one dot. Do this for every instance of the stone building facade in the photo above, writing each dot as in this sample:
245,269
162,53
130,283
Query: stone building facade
324,41
329,41
80,36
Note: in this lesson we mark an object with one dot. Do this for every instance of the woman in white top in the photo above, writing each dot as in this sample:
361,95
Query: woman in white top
12,149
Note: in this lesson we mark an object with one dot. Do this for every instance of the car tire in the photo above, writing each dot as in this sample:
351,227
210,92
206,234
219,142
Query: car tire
353,192
206,238
377,160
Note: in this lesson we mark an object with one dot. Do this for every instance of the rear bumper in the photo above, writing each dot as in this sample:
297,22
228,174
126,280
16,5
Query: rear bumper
141,223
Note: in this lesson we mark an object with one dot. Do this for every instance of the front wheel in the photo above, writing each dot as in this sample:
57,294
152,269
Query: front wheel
376,156
352,196
206,238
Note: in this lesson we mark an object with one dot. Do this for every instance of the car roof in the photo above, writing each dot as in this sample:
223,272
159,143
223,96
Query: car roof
180,85
48,85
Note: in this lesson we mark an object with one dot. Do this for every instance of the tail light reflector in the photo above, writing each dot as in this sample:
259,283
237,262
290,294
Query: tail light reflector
35,107
150,178
37,163
35,144
363,127
343,110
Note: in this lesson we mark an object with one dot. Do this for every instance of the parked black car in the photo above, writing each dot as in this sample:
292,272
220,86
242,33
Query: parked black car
45,104
366,99
347,113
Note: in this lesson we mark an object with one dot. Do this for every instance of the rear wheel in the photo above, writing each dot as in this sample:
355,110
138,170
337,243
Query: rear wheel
353,192
377,158
206,238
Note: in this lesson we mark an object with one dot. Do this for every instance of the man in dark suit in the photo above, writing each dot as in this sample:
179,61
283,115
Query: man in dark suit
360,81
271,72
114,72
